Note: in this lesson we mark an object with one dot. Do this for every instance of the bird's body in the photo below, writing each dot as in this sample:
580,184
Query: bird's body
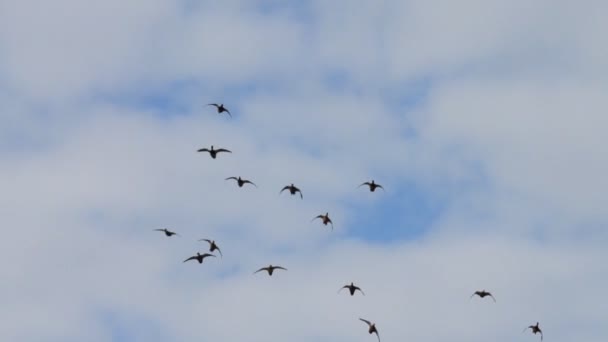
292,190
220,108
213,152
352,288
535,330
200,257
167,232
325,219
213,246
372,328
240,182
372,185
482,294
270,269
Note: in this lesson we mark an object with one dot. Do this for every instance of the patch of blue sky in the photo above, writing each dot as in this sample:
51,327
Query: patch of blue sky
127,329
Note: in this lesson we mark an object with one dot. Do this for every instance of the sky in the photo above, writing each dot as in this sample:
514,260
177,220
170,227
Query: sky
483,120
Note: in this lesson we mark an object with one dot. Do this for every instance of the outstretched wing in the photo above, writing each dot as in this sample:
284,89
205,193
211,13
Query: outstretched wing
366,321
285,188
261,269
208,255
207,240
541,334
380,186
280,268
473,295
298,190
227,111
203,150
219,250
358,288
214,104
159,230
223,150
377,334
317,217
190,258
231,178
342,288
492,297
250,182
362,184
523,331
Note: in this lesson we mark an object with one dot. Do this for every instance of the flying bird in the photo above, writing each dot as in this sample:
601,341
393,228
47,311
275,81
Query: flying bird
220,108
213,152
242,182
325,219
535,330
482,294
372,328
372,186
200,257
213,246
292,189
270,269
167,232
351,288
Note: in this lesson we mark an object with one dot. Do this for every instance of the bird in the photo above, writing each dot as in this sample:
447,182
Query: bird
213,152
213,246
325,219
535,330
372,327
372,186
270,269
200,257
220,108
292,189
482,294
351,288
167,232
242,182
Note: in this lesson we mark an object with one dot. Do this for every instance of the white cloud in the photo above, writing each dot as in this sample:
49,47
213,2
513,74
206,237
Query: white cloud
509,137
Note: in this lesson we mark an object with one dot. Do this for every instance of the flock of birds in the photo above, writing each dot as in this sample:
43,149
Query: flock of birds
293,190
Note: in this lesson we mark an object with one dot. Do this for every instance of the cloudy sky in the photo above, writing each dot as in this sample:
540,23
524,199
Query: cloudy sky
484,120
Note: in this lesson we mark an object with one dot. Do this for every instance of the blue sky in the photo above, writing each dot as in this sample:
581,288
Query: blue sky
484,121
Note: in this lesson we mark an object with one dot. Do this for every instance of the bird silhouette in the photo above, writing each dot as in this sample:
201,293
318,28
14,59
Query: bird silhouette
270,269
292,189
535,330
242,182
167,232
325,219
213,246
351,288
213,152
220,108
200,257
372,328
482,294
372,186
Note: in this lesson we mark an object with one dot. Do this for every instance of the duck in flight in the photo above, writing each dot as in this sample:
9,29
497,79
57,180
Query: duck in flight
270,269
220,108
167,232
213,246
372,328
213,152
372,186
351,288
200,257
482,294
325,219
292,190
535,330
242,182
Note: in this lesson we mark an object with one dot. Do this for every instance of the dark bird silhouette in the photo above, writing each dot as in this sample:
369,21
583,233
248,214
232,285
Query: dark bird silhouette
167,232
292,189
372,328
213,152
200,257
242,182
372,186
270,269
535,330
325,219
213,246
220,108
351,288
482,294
